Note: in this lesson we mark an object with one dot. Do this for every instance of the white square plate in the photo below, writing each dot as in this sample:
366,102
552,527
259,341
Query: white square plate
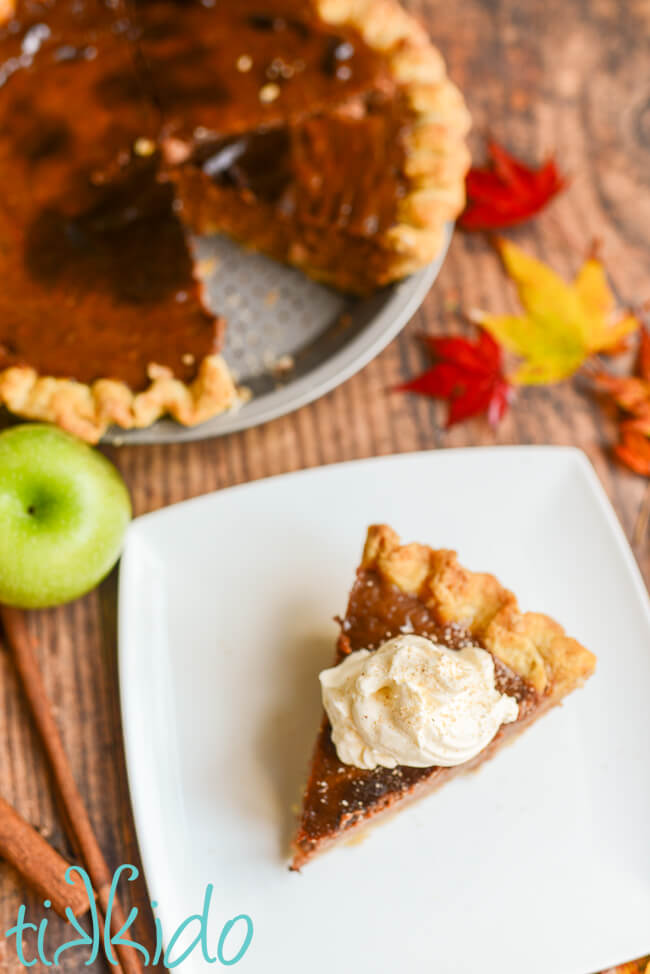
539,861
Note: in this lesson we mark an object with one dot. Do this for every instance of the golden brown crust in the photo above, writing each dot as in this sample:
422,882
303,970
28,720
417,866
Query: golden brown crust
437,157
533,645
88,410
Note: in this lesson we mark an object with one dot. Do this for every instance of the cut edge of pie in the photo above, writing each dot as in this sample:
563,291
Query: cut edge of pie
531,650
436,161
436,155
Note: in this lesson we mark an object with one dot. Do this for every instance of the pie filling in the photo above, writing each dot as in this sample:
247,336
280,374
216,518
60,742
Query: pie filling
97,276
123,260
241,64
254,111
256,164
285,191
338,795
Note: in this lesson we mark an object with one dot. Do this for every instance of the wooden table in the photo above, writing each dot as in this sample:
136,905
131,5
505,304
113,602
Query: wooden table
541,75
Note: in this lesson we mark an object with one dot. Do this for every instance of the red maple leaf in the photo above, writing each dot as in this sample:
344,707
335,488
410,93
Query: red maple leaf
468,375
507,192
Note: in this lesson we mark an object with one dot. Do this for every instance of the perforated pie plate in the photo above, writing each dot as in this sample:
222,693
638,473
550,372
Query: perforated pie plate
289,340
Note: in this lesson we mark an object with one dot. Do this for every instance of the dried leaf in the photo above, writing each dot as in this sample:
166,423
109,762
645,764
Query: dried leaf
633,450
643,357
563,324
468,375
632,967
507,192
632,395
598,303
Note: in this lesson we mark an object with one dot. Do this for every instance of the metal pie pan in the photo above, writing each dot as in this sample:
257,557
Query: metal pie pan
289,339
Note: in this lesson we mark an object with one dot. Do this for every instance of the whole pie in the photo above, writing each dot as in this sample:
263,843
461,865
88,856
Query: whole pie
325,134
403,593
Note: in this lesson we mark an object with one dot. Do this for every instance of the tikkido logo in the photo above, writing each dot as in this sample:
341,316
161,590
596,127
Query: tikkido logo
233,943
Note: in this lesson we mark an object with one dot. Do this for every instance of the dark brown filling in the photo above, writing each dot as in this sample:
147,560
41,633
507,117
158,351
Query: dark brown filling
243,64
257,163
338,795
303,170
97,275
320,193
118,277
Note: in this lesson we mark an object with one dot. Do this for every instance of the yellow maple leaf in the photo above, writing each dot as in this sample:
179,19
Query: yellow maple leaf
563,324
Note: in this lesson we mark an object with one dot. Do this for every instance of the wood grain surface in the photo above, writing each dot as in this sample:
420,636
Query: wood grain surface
566,75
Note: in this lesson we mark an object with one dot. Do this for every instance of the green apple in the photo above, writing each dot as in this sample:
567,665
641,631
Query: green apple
63,513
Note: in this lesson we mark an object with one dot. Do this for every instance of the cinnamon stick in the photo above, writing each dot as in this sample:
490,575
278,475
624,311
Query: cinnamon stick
40,865
77,820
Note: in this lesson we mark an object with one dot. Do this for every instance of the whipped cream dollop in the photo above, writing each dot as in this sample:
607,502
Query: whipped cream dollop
414,702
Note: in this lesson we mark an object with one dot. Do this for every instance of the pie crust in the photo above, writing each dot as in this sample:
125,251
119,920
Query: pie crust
437,157
88,410
534,660
435,162
531,644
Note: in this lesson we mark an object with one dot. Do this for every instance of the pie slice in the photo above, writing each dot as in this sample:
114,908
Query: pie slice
414,589
324,133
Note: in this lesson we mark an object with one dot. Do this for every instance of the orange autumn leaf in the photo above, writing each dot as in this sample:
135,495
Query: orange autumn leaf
632,396
641,966
633,449
562,323
643,357
630,393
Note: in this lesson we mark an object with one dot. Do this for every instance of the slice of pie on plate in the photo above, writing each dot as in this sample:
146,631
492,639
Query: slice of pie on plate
325,134
435,664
